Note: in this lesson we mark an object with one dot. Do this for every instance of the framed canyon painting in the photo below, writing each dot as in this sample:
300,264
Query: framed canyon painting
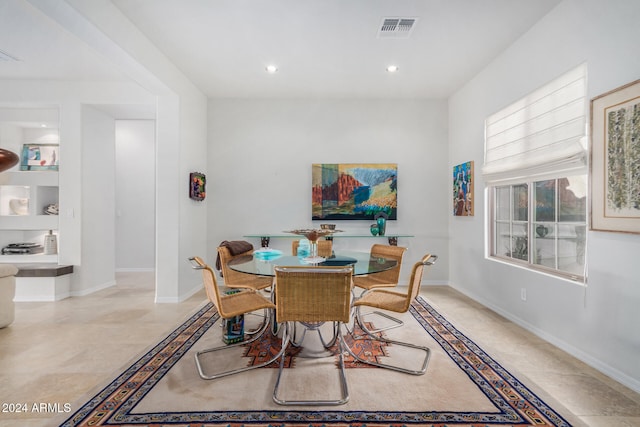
354,190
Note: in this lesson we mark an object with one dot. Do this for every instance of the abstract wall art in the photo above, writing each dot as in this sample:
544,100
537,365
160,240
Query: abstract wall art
197,186
354,190
463,189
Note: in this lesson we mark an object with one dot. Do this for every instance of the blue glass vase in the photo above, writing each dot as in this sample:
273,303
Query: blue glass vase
382,224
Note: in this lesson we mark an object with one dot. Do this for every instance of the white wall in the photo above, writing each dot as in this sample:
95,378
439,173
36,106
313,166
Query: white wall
260,157
598,323
97,269
135,195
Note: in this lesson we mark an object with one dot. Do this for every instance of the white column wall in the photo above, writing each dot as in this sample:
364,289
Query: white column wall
135,195
97,268
597,323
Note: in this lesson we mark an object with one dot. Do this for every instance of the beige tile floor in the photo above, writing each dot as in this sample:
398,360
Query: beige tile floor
56,353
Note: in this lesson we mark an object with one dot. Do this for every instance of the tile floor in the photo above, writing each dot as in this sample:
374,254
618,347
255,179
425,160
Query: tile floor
56,353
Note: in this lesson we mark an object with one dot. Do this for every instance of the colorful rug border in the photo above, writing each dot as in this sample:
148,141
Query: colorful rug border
515,404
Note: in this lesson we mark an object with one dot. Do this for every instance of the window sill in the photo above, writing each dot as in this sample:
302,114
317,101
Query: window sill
567,277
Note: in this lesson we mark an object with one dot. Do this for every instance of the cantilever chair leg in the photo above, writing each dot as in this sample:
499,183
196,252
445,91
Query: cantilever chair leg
397,322
257,335
370,335
344,398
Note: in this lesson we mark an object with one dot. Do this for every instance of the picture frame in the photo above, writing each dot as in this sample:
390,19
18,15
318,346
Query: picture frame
354,191
463,189
40,157
197,186
615,182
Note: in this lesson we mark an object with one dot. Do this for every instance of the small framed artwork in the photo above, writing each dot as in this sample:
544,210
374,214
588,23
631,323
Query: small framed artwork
39,157
463,189
615,160
197,182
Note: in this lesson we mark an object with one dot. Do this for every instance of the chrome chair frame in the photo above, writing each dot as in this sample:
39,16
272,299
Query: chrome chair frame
313,287
384,251
214,296
414,289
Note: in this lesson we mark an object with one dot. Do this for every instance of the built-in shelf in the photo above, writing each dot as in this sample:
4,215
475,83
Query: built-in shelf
26,221
32,178
35,258
29,222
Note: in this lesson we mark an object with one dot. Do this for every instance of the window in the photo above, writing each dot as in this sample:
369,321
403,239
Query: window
542,225
536,170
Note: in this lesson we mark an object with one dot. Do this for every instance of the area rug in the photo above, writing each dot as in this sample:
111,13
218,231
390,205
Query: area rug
463,387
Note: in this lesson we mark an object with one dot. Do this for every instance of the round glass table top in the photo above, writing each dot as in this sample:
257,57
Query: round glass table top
363,263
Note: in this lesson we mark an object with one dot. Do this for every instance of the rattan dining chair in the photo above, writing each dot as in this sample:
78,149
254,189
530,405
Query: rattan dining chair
312,295
325,248
391,300
238,280
383,279
229,306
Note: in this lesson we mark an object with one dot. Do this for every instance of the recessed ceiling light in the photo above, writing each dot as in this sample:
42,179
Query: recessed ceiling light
43,125
271,69
392,68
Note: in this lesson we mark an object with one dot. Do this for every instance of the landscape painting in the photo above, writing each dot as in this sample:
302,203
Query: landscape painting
354,190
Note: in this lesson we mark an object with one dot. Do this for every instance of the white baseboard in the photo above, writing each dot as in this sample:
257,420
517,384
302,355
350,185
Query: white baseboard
597,364
93,289
136,270
173,300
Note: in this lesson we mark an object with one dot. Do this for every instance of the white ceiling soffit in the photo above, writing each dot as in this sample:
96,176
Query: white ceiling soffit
399,28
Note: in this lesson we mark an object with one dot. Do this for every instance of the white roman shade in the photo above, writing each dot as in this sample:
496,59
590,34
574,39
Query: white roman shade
541,135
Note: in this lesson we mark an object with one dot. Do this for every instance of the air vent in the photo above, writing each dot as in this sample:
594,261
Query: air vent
396,27
4,56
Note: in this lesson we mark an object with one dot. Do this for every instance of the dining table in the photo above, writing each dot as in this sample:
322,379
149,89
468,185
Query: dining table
263,261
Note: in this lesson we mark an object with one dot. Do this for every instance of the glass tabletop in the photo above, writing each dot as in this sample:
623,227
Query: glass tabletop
362,261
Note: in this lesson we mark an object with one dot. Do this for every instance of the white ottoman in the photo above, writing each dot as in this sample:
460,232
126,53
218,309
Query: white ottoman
7,292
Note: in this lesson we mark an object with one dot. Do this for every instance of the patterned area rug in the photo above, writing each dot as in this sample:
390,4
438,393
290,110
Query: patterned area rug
511,402
269,345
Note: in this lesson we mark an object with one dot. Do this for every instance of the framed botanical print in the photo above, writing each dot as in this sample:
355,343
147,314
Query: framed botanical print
615,160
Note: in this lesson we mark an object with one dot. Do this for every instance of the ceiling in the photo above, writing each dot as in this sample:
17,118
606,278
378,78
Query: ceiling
323,48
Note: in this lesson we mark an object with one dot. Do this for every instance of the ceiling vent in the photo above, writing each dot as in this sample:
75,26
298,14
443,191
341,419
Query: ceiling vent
399,28
4,56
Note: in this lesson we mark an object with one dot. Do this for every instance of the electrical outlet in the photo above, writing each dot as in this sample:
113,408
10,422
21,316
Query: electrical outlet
523,294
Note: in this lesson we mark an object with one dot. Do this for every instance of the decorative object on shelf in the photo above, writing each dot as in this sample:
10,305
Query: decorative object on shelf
381,221
463,189
197,183
27,248
51,209
313,234
19,206
353,190
615,181
542,230
50,243
374,229
39,157
8,159
328,226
